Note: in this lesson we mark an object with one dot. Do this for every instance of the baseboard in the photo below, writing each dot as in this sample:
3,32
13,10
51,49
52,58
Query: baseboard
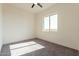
18,41
41,39
58,44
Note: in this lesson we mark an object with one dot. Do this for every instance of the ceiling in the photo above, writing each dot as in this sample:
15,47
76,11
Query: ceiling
36,9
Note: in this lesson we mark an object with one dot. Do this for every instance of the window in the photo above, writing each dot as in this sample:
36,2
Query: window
50,23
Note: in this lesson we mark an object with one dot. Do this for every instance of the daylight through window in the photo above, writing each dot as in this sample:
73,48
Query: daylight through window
50,23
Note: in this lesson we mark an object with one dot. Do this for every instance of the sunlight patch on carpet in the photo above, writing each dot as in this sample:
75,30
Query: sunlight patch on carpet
24,48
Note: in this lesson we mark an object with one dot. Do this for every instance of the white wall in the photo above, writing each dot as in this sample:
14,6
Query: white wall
68,25
18,24
0,26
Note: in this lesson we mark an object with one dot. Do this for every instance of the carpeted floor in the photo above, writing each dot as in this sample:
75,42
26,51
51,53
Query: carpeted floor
50,49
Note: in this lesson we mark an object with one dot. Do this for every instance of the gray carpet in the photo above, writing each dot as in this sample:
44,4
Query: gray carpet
50,49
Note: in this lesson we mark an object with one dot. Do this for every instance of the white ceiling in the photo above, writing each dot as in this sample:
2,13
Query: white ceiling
36,9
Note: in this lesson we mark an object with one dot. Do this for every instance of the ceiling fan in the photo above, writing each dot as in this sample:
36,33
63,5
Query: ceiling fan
36,4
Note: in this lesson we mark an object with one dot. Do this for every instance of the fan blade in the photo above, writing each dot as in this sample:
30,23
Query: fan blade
39,5
33,5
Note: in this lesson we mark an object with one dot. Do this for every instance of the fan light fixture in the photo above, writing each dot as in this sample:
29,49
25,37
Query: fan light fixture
38,4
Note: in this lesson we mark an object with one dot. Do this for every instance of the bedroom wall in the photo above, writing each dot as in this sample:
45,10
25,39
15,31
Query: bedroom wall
18,24
1,39
68,25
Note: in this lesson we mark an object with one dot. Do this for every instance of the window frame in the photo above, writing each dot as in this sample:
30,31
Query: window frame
49,30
